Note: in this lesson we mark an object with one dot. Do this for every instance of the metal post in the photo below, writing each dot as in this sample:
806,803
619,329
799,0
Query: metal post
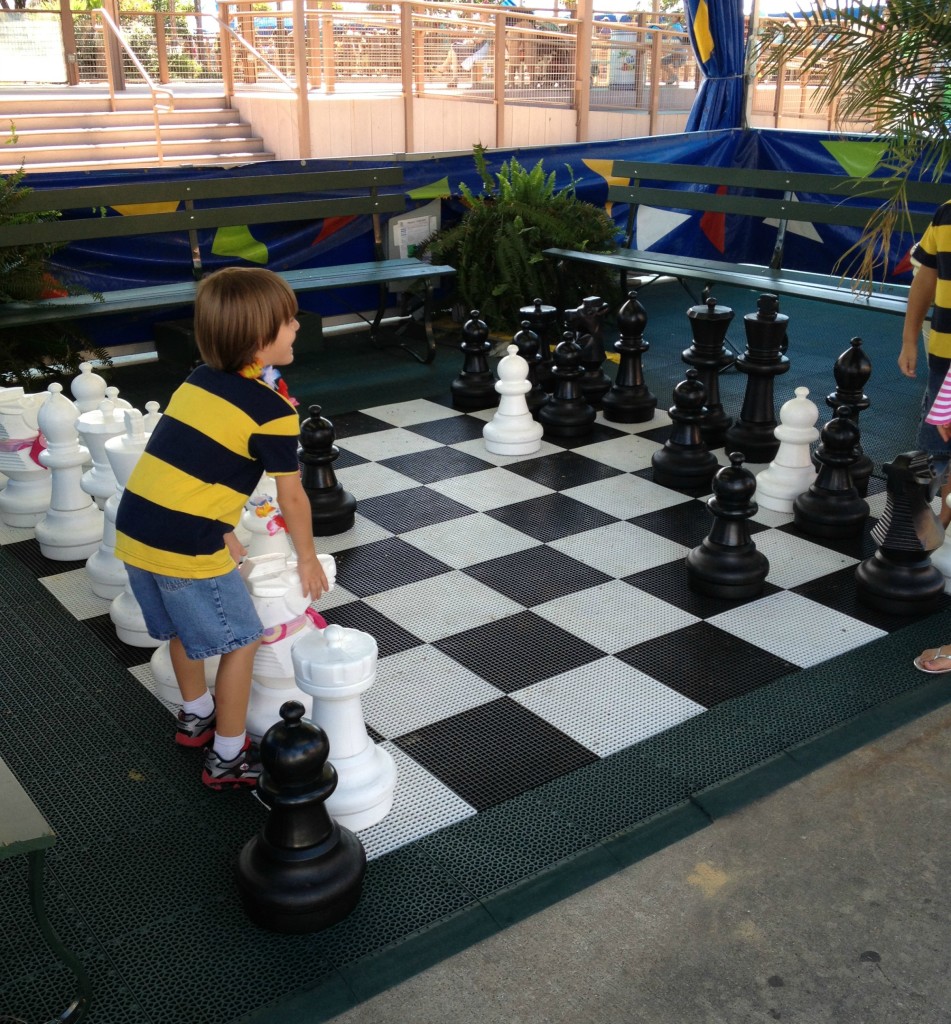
498,75
299,22
112,48
69,42
583,31
406,72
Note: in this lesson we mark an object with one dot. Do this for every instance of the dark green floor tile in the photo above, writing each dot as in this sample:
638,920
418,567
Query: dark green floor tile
735,792
656,833
330,997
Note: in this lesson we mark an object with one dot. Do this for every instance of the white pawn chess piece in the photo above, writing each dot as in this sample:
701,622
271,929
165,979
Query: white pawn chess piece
335,666
73,524
26,496
791,473
88,389
941,559
512,430
123,453
95,428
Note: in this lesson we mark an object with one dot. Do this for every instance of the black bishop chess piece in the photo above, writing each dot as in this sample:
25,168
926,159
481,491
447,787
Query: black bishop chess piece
543,320
685,463
708,355
332,508
529,348
833,507
587,323
899,578
629,400
567,414
727,564
302,872
474,388
852,370
753,433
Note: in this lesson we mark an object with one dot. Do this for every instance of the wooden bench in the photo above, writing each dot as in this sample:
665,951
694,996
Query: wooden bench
216,202
749,192
24,831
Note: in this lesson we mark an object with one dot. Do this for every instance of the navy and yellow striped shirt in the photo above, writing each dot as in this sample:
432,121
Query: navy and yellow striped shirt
219,434
934,251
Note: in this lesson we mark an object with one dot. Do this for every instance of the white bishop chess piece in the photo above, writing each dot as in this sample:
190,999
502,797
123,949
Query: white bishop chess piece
791,472
512,430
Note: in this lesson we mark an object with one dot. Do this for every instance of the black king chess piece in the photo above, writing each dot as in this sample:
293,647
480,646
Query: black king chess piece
753,433
852,370
726,564
302,872
567,414
685,463
474,388
630,400
332,508
708,355
899,578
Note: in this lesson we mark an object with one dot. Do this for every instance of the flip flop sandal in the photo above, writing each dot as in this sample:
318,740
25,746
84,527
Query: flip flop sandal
937,656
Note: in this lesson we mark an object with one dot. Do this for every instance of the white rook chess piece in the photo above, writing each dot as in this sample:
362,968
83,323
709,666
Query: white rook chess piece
335,666
791,473
95,428
26,496
941,559
88,389
123,453
512,430
73,524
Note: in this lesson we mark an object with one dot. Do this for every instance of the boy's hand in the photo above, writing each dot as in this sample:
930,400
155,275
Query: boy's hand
313,579
908,359
944,429
237,550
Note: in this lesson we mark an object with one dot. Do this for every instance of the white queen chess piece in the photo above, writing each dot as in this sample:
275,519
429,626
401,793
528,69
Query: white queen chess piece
512,430
26,497
791,472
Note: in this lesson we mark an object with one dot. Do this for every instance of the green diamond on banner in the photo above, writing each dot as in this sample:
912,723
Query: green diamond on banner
857,159
239,243
434,190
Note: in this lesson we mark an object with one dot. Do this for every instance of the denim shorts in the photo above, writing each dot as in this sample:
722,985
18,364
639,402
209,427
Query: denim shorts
210,616
929,440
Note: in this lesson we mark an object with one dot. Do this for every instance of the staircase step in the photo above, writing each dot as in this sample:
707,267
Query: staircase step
144,134
195,160
64,120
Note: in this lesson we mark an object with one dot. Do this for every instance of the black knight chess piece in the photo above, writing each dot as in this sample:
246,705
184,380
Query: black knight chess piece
529,348
567,414
303,872
899,578
630,400
332,508
726,564
586,322
833,507
707,354
753,433
685,462
474,388
852,370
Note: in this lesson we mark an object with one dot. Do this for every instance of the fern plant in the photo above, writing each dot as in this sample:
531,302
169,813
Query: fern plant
497,246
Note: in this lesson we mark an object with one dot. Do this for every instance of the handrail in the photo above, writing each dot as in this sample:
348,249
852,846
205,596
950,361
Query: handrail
255,53
158,105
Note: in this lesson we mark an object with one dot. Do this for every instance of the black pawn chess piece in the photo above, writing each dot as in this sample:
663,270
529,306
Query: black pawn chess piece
567,414
852,370
753,433
543,320
685,463
529,348
708,355
833,507
302,872
629,400
899,578
586,322
474,388
332,508
726,564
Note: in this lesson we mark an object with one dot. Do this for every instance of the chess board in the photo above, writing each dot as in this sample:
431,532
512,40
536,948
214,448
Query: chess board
532,613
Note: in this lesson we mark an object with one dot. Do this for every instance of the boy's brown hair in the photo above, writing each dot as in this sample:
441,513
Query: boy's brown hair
237,310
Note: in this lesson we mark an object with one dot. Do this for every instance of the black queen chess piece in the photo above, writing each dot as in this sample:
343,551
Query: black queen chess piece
707,354
303,872
586,322
851,371
474,388
543,320
567,414
332,508
727,564
630,400
529,348
753,433
899,578
685,463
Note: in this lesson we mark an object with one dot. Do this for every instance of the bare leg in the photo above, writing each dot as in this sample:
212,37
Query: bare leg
189,674
233,688
945,513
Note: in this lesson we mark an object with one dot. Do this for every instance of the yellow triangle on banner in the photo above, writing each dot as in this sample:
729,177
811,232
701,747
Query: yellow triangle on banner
857,159
435,190
603,168
238,243
701,31
137,209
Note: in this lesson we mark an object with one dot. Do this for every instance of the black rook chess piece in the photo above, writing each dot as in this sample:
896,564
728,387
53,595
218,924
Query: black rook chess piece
726,564
303,872
763,360
567,414
852,370
630,400
474,388
899,578
685,462
331,507
708,356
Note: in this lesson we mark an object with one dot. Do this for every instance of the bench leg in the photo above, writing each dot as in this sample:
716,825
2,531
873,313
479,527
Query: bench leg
80,1004
429,353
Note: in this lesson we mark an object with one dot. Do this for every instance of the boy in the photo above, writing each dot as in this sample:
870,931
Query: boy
224,427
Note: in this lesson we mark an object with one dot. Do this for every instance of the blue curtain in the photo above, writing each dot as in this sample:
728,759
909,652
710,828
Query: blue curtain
716,34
